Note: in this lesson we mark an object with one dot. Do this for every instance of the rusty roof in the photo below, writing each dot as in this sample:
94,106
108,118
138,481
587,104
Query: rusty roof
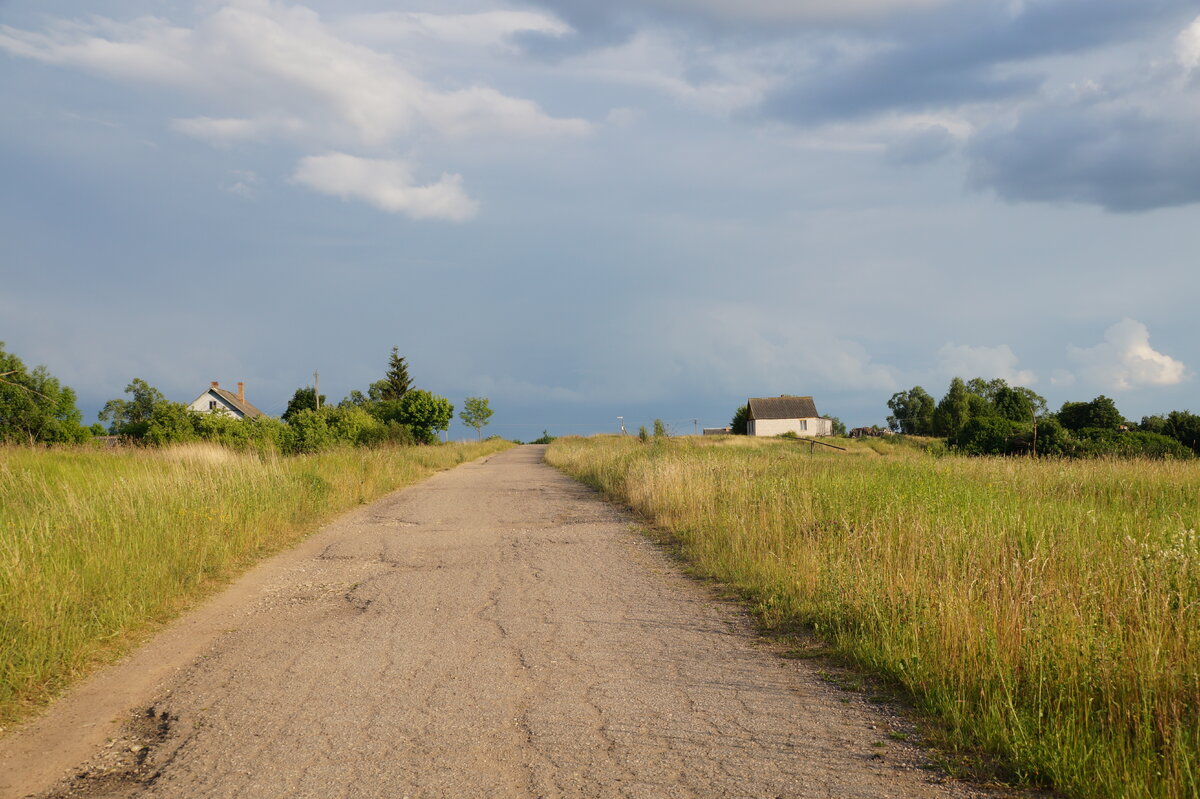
247,410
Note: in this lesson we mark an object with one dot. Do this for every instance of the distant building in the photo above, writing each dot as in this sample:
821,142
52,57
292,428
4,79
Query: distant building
772,416
218,400
717,431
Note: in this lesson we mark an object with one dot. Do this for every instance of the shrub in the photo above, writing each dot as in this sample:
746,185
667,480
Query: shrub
988,435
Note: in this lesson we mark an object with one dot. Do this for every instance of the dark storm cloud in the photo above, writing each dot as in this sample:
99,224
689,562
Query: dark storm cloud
964,53
1123,159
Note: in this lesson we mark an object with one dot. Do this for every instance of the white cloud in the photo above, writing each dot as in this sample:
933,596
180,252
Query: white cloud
282,72
1125,359
962,360
386,184
488,28
717,82
1187,46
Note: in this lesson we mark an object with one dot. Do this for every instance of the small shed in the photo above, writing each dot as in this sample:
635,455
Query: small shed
773,416
218,400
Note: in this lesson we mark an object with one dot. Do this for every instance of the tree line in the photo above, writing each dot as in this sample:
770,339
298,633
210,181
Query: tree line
36,409
990,417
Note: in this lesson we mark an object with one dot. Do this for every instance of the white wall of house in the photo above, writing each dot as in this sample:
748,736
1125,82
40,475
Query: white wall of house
801,427
210,403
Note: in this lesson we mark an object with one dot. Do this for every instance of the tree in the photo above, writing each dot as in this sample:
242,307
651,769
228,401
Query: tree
954,411
1099,413
34,406
355,399
1183,426
424,413
1013,404
740,424
396,383
476,413
839,428
660,429
912,412
305,399
131,416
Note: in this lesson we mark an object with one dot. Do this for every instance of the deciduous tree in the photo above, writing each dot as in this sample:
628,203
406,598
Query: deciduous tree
1100,413
954,411
131,416
475,413
305,399
34,406
425,414
912,412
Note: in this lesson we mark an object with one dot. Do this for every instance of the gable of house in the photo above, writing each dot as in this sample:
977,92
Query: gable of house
217,399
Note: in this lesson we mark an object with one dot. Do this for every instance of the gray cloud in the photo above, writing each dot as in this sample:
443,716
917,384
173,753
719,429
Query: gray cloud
921,146
1098,151
964,53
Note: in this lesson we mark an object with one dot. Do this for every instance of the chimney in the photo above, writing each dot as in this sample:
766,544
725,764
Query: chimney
241,391
215,384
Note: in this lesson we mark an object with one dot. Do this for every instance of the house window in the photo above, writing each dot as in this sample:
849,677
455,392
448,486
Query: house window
212,405
804,424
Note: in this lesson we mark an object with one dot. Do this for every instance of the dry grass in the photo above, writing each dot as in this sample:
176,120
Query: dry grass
1047,611
96,547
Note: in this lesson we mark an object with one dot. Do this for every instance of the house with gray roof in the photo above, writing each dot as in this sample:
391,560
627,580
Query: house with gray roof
218,400
771,416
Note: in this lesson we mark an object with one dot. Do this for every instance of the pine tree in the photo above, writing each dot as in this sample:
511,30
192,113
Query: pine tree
397,380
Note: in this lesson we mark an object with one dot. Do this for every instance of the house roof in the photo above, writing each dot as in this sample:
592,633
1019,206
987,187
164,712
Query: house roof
232,401
784,407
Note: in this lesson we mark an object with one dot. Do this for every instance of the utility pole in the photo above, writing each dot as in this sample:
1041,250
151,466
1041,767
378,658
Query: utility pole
317,388
621,419
695,427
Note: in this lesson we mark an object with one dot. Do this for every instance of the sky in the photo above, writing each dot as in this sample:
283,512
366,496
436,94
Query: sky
580,210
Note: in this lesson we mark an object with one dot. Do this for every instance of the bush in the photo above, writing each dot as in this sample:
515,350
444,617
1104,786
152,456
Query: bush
1099,442
1053,438
307,432
990,435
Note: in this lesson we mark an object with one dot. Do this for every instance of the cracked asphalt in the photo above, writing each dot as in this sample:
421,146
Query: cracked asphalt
495,631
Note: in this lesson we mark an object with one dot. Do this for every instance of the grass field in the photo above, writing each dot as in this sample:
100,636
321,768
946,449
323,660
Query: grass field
96,547
1048,612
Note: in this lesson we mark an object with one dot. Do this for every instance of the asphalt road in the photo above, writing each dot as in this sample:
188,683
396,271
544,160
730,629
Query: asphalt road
495,631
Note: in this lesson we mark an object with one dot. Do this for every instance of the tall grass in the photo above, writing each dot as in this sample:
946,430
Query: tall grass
1047,611
97,546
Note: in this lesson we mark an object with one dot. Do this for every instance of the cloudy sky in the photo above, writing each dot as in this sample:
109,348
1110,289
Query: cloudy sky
647,208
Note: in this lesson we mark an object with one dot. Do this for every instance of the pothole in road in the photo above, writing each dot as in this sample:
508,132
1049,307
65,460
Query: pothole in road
124,765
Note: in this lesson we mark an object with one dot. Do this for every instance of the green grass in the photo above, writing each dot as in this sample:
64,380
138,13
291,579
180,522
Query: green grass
98,547
1048,612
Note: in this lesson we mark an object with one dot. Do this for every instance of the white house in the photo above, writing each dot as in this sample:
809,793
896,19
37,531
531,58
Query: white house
218,400
770,416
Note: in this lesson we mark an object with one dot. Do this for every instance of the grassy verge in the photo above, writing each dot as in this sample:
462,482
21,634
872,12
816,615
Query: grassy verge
1048,612
96,547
